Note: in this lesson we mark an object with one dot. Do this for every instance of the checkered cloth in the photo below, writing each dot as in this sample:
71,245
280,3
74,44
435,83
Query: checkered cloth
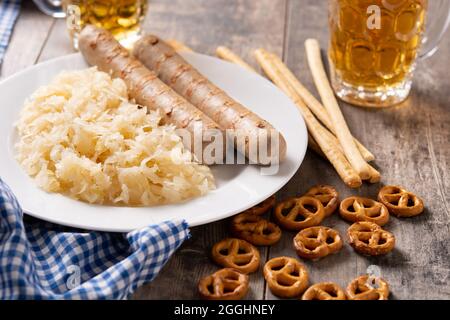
40,260
9,10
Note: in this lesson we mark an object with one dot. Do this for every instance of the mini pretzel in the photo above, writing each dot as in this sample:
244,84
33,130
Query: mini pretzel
317,242
286,277
237,254
400,201
368,288
256,230
225,284
355,209
327,195
299,213
263,207
370,239
324,291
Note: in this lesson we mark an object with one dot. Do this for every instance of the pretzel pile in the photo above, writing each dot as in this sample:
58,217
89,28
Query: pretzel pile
239,256
287,277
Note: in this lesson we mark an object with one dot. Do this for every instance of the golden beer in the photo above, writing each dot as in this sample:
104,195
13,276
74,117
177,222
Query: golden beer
373,49
121,17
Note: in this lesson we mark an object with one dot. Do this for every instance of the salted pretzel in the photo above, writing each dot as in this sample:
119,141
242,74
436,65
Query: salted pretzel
254,229
370,239
317,242
237,254
225,284
286,277
263,207
368,288
355,209
324,291
400,201
299,213
328,195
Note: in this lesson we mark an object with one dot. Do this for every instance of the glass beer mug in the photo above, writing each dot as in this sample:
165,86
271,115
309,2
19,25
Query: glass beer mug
122,18
375,45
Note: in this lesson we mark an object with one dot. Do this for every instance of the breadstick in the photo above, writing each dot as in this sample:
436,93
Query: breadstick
375,175
99,48
315,106
226,54
231,116
329,101
312,144
332,152
178,46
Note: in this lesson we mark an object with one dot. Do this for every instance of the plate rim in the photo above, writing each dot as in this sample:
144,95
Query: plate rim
279,186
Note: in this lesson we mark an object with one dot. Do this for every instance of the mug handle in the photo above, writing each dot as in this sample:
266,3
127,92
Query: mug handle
51,7
439,11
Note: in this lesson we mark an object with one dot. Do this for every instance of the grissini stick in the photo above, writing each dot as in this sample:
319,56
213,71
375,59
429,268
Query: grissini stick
316,107
329,101
313,145
375,175
226,54
329,148
178,46
232,116
100,49
230,56
319,110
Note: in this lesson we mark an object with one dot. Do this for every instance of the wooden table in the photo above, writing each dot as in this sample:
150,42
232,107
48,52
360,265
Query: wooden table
411,142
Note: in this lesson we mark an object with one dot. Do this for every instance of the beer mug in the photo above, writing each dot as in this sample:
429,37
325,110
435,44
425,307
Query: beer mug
121,17
375,45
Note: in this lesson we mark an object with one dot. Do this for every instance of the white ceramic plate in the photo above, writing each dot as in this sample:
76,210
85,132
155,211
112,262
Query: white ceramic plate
238,187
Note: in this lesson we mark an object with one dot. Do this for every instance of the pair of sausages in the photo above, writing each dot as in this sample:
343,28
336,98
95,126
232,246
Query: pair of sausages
160,79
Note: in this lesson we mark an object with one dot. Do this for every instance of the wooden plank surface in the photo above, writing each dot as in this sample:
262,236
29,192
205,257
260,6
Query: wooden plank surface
411,141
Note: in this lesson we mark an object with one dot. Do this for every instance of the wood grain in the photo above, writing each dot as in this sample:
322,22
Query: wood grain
411,142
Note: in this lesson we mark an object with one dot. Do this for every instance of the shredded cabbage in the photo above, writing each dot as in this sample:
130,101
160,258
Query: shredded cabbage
81,136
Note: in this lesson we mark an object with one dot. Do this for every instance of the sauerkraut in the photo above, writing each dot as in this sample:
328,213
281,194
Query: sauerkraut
81,136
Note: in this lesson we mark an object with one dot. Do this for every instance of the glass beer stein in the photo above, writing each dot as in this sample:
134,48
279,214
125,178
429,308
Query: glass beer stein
122,18
375,45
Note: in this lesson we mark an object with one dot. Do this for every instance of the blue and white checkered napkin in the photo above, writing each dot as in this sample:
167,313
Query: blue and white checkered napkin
40,260
9,10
